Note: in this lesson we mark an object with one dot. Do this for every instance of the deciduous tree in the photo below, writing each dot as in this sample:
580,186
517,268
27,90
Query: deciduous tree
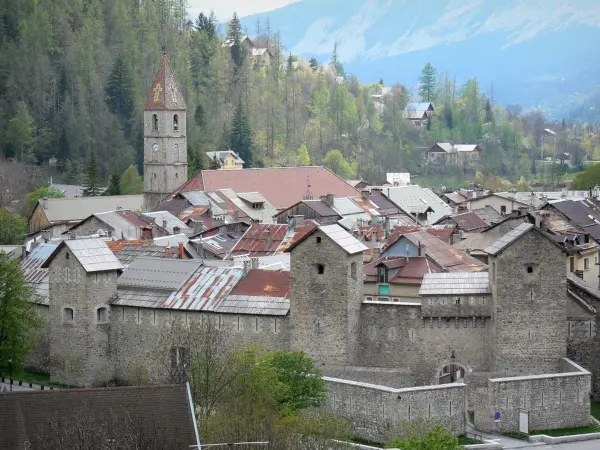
131,181
12,228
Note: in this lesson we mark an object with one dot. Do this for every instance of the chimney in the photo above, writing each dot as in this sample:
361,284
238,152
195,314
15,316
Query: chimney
327,199
246,267
364,193
168,252
164,224
254,263
268,240
181,251
198,226
44,202
47,234
176,230
386,229
223,230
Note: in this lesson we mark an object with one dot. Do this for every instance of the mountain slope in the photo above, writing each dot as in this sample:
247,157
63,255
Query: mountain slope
535,51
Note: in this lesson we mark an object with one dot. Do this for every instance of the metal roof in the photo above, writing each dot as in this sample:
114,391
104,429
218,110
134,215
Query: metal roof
158,273
93,254
252,197
127,251
77,209
489,215
141,298
37,277
123,228
344,239
256,305
272,262
350,222
345,206
261,239
415,199
456,283
508,238
196,198
419,106
166,218
205,289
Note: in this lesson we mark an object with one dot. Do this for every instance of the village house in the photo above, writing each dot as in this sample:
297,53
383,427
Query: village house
419,113
444,153
224,160
261,56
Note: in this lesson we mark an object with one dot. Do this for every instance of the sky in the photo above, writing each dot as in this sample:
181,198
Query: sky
225,8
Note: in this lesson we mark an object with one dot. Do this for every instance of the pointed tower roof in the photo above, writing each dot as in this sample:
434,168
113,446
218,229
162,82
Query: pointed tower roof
164,93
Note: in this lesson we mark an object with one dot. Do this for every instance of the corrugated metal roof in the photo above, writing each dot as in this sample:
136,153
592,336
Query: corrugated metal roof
93,254
350,222
141,298
469,221
456,283
261,239
158,273
205,289
196,198
344,239
255,305
35,275
272,262
123,228
508,238
489,215
127,251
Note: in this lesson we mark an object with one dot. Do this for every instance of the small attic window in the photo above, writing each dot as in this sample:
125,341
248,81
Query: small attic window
529,269
67,255
68,314
318,239
321,269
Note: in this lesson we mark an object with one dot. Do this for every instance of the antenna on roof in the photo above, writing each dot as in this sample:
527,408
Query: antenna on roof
308,194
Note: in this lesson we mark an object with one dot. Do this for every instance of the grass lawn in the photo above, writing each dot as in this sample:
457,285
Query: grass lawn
596,410
464,440
32,377
357,440
569,431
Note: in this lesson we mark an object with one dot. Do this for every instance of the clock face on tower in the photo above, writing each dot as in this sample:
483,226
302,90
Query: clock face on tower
155,147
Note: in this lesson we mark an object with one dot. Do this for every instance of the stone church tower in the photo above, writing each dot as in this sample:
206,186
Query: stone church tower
165,141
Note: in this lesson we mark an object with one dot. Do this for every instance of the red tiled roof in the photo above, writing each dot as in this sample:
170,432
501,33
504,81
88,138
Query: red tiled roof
164,93
254,242
264,283
304,229
281,186
117,246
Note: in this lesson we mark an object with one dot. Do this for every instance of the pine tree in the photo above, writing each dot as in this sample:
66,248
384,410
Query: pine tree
489,114
428,83
215,164
93,180
240,137
20,133
234,38
314,64
120,93
335,63
207,25
114,185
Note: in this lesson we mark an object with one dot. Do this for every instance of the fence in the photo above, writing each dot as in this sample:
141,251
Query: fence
21,383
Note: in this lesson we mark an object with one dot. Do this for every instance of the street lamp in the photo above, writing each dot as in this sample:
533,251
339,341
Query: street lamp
10,372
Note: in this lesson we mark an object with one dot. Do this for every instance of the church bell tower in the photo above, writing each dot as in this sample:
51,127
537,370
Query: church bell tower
165,141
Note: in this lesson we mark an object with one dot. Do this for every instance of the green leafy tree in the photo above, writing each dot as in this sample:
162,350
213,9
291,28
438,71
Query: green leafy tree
19,320
215,164
428,83
114,185
240,136
589,178
120,95
42,192
304,387
20,133
12,228
303,157
93,180
421,435
131,181
335,161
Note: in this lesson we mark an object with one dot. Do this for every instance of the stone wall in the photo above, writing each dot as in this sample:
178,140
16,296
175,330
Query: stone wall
325,306
137,333
456,306
92,226
395,335
530,305
558,400
39,358
378,412
78,347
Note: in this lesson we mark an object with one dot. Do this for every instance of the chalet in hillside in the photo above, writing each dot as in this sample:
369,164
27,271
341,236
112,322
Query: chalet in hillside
225,159
261,56
419,113
444,153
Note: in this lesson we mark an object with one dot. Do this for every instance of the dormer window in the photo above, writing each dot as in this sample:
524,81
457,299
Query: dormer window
382,274
154,122
259,205
175,122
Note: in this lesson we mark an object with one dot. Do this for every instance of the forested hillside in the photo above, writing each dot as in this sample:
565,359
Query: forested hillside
74,75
